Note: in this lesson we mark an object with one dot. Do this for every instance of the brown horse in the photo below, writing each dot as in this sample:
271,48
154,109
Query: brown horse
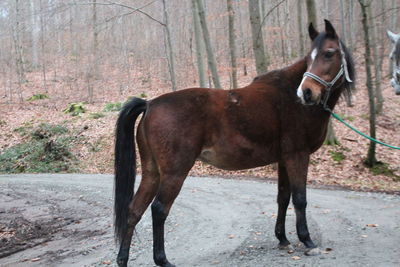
280,117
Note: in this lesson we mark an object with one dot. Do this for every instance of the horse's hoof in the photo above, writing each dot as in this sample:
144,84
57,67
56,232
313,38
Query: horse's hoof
288,247
122,263
313,252
164,263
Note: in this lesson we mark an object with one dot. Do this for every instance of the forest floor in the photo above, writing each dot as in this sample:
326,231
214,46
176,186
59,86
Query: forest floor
92,132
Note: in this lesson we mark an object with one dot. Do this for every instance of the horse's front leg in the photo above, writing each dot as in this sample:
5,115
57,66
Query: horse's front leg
297,166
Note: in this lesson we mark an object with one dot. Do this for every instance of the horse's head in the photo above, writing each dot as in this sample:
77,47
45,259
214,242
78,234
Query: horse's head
329,67
395,57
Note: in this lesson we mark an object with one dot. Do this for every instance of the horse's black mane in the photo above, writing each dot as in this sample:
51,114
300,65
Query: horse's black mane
319,41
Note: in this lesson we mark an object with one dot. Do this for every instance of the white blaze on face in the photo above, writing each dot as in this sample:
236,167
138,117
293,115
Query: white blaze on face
314,54
299,90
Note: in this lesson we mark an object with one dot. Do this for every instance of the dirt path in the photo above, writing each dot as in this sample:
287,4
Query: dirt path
66,220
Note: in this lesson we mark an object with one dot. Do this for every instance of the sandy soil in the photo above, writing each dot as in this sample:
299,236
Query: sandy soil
66,220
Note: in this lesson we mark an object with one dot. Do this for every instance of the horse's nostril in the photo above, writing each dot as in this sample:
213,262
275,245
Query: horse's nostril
307,94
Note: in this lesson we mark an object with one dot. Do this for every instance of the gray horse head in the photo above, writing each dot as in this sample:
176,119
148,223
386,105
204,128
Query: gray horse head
395,57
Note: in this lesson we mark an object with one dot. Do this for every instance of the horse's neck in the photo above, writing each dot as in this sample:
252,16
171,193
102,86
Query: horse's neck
294,73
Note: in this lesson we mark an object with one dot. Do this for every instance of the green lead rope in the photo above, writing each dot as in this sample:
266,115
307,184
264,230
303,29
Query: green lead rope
360,133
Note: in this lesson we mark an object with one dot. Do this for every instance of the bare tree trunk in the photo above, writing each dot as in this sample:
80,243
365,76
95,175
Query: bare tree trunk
283,52
300,28
343,37
232,42
199,45
330,138
351,25
95,63
326,10
42,31
20,60
212,64
288,41
382,37
168,48
243,49
393,23
371,156
393,27
374,44
257,36
311,12
34,32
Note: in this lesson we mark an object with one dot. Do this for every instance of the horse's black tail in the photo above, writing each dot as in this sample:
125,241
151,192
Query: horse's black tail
125,163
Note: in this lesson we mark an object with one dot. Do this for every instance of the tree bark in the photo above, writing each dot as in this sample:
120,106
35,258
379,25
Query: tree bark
19,52
35,35
300,28
257,36
42,44
377,70
371,156
232,42
212,64
343,37
242,44
311,12
351,26
95,62
168,48
393,27
330,138
199,45
394,15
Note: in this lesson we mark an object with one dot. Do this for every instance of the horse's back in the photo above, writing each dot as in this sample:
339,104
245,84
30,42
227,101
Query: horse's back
230,129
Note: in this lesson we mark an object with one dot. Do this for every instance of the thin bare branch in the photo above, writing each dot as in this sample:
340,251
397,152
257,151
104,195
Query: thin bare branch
134,9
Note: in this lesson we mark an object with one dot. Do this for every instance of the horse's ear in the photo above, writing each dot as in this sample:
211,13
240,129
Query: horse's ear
329,29
393,37
312,31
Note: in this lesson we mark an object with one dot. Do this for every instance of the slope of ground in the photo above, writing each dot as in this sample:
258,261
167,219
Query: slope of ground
93,131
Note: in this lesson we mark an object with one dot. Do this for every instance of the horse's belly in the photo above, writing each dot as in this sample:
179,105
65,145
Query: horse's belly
237,158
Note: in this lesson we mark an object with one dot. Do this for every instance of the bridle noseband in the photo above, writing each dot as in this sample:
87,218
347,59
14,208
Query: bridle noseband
329,85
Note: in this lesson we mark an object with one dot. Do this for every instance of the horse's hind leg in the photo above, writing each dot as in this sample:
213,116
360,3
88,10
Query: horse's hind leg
145,194
283,202
169,190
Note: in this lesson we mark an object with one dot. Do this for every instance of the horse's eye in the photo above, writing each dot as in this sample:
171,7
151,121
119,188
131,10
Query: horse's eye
329,54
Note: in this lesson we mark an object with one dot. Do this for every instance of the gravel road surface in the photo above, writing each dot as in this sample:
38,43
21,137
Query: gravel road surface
66,220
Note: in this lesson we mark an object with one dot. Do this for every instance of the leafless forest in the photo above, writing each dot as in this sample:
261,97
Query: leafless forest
98,51
93,47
